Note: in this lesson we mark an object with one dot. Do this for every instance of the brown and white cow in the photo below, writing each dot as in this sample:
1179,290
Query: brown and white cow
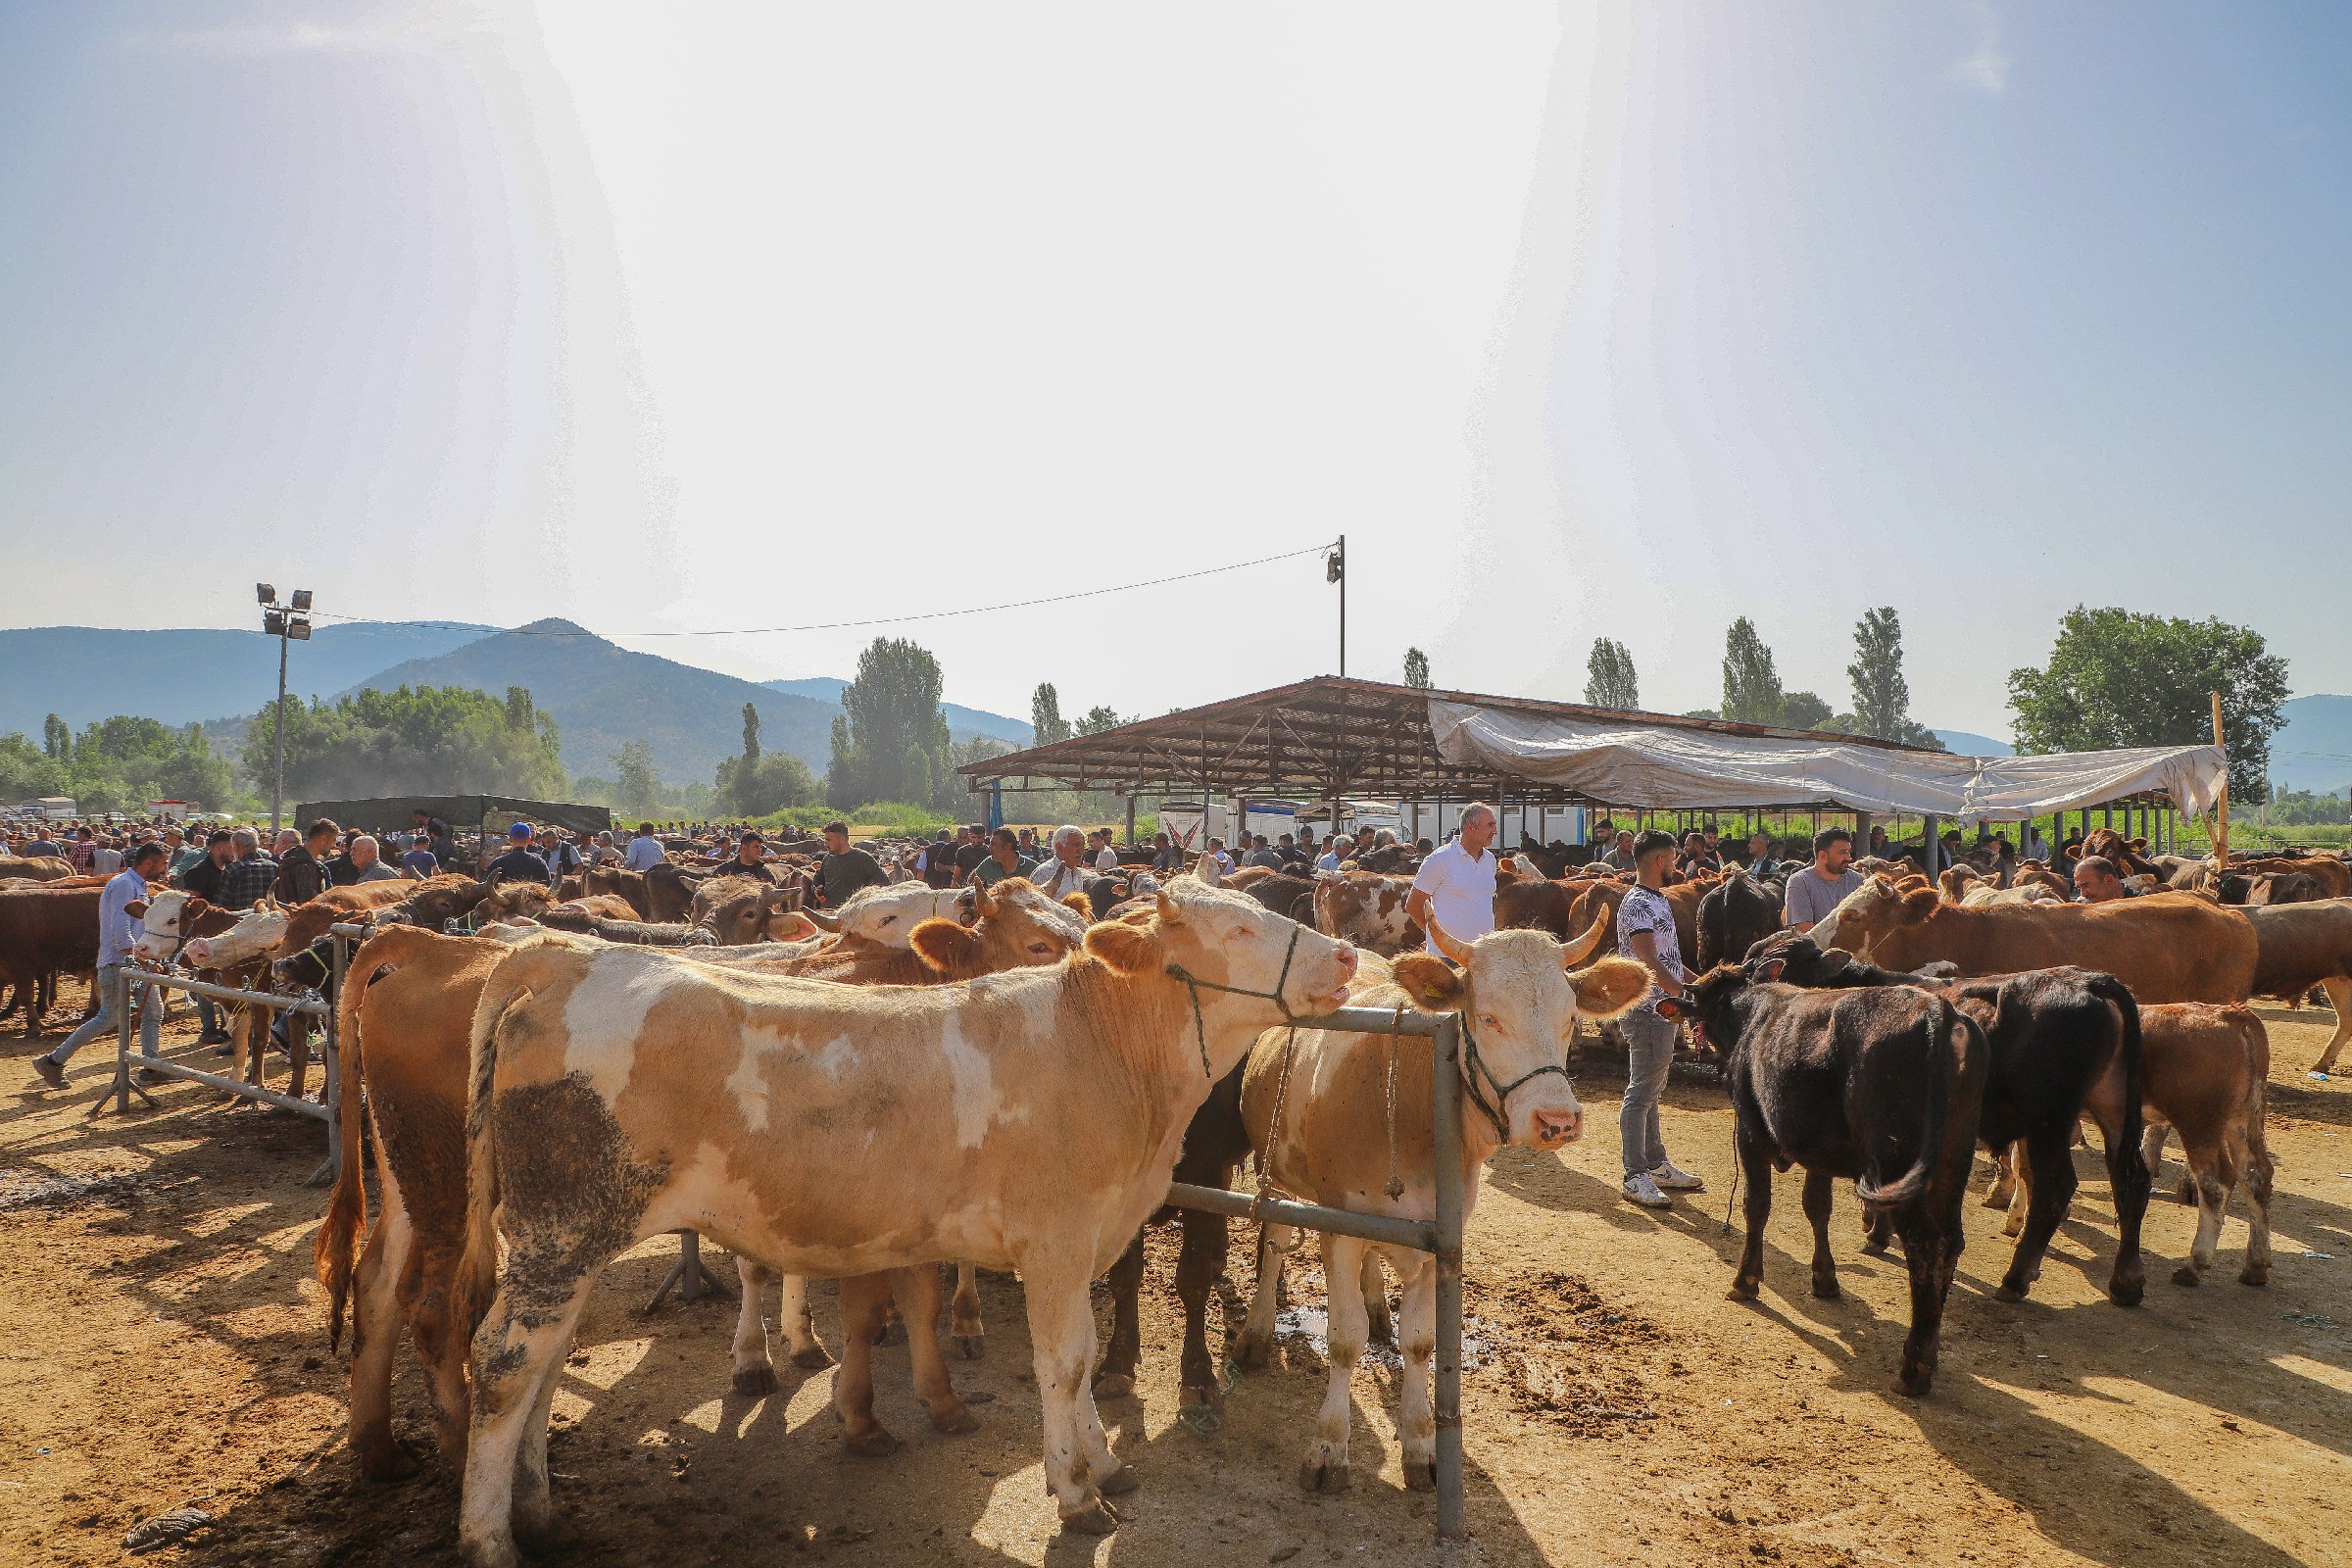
1367,909
2167,947
1026,1121
1336,1144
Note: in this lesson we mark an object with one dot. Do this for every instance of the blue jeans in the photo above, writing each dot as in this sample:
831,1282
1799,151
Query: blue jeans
105,1020
1648,1053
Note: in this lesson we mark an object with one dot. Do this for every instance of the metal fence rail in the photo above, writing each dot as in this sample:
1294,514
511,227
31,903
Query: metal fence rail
1441,1236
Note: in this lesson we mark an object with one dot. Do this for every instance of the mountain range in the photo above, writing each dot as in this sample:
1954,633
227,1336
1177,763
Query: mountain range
603,695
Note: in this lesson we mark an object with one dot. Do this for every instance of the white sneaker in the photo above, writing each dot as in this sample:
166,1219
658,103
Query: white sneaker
1674,1179
1644,1190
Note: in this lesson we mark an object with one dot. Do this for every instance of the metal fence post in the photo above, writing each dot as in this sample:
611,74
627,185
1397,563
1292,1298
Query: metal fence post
122,1040
1447,1114
331,1061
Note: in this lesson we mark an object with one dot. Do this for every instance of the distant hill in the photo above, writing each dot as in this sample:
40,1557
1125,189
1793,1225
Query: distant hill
1968,743
2314,751
602,696
962,721
86,673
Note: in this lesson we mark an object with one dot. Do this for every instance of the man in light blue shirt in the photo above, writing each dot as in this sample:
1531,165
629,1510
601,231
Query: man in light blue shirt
645,849
122,906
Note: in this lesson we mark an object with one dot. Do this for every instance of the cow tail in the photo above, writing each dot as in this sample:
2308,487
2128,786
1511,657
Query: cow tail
478,1265
1942,1066
2130,1163
337,1247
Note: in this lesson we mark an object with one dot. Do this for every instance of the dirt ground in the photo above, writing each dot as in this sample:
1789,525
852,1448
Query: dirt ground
161,1344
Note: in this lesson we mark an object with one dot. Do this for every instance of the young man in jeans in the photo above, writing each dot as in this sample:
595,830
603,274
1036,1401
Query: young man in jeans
121,906
1645,932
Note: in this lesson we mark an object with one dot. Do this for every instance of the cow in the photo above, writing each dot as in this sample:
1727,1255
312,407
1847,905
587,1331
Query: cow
2280,886
2128,856
2036,873
45,932
1344,1119
511,902
36,867
2205,1071
1367,909
1601,896
437,899
177,923
1292,896
887,914
629,885
2298,945
1882,1086
2331,874
632,933
404,1016
1025,1121
595,905
1983,895
2167,947
2050,1037
1734,915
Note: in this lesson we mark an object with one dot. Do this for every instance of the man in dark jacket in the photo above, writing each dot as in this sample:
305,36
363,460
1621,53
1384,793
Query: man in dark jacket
303,874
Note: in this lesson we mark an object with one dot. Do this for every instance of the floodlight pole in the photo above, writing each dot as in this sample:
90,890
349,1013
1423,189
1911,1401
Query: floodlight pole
277,789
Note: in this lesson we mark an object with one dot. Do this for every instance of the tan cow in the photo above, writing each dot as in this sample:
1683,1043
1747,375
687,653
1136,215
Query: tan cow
2167,947
36,867
2299,945
1026,1121
1520,998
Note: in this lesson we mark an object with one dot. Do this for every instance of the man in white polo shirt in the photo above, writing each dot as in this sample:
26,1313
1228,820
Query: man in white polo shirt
1458,881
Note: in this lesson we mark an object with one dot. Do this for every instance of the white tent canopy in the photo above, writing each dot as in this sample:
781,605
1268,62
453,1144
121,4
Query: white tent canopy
1628,763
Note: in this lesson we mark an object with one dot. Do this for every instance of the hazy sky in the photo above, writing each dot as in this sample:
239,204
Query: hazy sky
1582,320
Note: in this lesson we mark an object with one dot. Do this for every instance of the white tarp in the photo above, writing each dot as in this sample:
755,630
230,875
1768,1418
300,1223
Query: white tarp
1639,765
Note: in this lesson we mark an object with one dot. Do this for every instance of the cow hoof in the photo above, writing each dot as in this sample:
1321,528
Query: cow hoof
2126,1293
2186,1274
875,1445
1742,1291
392,1463
1097,1518
1113,1386
1825,1285
2187,1193
1193,1395
2009,1292
815,1358
2254,1274
1315,1476
756,1382
969,1346
1250,1352
1383,1329
1874,1248
1421,1476
955,1422
1917,1381
1119,1482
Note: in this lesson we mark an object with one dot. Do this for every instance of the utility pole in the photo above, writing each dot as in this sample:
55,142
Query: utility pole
287,622
1334,569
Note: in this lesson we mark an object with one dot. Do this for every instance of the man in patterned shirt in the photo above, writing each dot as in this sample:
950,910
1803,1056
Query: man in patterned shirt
1645,932
248,877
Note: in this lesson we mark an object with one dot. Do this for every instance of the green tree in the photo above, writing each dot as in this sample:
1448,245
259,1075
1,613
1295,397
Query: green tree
751,734
1803,711
891,743
2116,678
1882,697
1609,679
421,739
1416,667
1751,684
1045,715
57,739
1099,718
639,789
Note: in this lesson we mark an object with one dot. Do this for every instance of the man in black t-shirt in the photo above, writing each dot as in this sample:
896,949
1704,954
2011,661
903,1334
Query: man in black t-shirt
971,848
519,863
844,871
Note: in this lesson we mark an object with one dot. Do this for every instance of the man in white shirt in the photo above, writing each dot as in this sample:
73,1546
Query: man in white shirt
1458,881
1067,871
644,850
1107,858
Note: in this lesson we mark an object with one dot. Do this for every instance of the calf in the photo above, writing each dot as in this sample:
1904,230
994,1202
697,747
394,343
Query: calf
1735,915
1367,909
1882,1086
2204,1070
1343,1121
2051,1036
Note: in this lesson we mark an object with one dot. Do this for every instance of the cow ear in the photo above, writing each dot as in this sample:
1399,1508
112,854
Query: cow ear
1609,986
1081,903
2073,851
136,908
1675,1008
189,910
1919,900
1768,971
945,946
2141,845
1434,984
798,927
1127,949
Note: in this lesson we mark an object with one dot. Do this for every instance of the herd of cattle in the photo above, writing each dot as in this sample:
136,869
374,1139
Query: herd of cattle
987,1077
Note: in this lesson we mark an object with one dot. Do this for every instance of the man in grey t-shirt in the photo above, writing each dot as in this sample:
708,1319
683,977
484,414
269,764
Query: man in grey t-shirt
1820,888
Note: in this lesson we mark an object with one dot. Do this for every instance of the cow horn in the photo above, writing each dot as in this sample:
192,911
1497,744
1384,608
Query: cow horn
1458,952
1580,948
823,922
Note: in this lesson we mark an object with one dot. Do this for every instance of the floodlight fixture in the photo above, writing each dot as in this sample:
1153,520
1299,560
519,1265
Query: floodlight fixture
302,599
273,622
298,628
263,592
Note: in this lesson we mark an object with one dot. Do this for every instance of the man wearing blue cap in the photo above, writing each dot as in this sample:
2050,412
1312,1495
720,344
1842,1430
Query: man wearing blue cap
519,863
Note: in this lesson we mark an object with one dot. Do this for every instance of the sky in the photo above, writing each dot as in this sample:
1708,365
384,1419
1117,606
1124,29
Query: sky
1579,321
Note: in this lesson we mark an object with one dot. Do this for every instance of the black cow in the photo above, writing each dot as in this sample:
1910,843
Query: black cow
2053,1034
1738,913
1882,1086
1292,896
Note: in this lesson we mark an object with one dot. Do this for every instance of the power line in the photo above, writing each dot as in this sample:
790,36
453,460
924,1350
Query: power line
849,625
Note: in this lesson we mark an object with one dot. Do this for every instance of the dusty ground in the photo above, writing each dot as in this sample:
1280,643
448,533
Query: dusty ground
160,1344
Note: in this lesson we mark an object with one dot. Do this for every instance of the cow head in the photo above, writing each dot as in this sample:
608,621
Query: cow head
1013,926
1874,908
257,932
748,911
511,901
889,915
1228,940
439,900
1520,995
166,923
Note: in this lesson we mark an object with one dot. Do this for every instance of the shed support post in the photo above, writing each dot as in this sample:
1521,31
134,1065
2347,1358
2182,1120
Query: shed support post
1446,1115
1931,849
1861,834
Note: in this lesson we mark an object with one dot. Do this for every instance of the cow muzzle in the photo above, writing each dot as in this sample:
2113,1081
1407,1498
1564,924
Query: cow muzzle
1554,1128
